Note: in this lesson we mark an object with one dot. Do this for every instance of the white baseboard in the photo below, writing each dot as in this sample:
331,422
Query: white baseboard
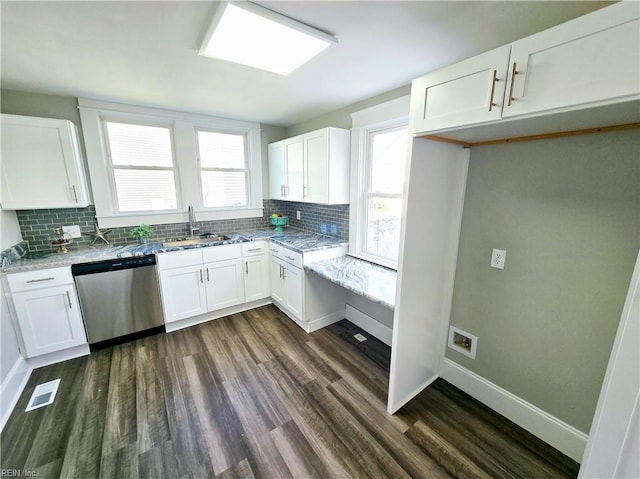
369,324
12,387
562,436
58,356
221,313
324,321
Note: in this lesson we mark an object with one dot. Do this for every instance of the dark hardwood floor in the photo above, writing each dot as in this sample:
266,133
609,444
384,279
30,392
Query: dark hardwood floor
252,395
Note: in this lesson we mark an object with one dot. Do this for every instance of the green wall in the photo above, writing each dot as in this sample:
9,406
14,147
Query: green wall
567,212
342,118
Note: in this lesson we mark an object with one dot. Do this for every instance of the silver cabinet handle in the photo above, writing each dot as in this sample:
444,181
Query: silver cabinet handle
254,249
201,280
305,191
246,267
208,279
286,190
75,193
514,72
290,258
281,190
493,89
69,299
274,251
38,280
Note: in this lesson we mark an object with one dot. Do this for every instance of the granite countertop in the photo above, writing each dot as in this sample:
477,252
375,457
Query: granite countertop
372,281
299,241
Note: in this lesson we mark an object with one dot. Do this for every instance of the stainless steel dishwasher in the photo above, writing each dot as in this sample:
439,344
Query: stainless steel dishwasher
120,299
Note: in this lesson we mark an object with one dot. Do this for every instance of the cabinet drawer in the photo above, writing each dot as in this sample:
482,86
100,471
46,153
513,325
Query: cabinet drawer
254,248
178,259
286,255
221,253
43,278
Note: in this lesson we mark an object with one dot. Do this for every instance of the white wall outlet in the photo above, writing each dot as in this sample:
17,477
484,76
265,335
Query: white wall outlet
73,230
297,215
498,258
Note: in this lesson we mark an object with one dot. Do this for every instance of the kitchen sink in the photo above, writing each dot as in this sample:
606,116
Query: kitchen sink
191,241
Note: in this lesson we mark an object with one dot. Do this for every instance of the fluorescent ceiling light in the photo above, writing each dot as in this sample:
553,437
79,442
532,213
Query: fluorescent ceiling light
252,35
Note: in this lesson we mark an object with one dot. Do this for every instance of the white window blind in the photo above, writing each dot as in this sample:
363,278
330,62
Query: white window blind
143,167
224,173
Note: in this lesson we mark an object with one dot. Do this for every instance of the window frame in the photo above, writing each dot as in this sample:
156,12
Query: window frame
93,113
246,169
111,167
388,116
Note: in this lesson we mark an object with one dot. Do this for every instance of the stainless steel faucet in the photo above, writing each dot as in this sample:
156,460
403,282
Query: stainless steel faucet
192,220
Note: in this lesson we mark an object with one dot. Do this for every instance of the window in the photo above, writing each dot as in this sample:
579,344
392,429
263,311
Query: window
223,168
146,165
385,163
380,136
142,155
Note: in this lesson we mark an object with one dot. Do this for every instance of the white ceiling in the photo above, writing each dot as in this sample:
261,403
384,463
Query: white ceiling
145,53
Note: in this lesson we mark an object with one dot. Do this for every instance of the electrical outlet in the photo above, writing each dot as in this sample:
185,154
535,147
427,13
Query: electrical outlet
73,230
498,257
297,215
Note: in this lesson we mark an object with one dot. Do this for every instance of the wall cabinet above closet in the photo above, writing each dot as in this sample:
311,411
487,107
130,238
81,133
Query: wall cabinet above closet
588,62
41,164
311,168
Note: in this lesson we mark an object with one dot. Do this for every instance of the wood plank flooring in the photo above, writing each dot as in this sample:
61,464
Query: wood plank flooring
252,395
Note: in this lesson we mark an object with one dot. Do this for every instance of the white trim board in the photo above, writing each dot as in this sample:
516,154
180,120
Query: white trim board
562,436
12,387
369,324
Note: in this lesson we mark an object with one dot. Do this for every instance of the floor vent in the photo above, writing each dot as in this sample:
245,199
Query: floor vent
43,394
359,337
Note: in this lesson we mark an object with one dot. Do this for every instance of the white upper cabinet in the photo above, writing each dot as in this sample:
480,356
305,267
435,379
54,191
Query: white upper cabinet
311,168
587,62
466,93
41,164
294,161
277,171
592,59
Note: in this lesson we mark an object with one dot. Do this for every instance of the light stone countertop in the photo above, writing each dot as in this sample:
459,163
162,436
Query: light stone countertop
299,241
372,281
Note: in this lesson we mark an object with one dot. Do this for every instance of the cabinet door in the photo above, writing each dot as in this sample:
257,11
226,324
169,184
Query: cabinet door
49,319
41,164
294,160
225,284
277,171
466,93
183,292
256,277
293,290
277,282
595,58
316,167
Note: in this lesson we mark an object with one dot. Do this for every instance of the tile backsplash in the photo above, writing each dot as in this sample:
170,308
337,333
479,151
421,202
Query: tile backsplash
37,226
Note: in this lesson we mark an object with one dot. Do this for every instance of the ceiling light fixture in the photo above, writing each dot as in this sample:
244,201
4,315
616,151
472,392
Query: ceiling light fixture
252,35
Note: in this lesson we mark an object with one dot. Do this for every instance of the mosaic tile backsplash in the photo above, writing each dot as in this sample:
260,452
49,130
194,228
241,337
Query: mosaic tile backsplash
37,225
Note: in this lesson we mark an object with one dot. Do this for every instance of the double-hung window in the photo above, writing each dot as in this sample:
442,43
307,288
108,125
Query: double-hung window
380,142
385,162
142,166
224,173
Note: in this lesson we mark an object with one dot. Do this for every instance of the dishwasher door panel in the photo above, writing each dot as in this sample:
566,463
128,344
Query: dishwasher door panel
116,303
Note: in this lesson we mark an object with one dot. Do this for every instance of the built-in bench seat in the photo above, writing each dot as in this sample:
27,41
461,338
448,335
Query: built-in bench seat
372,281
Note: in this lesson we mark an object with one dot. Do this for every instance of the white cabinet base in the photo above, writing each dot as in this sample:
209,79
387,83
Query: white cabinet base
203,318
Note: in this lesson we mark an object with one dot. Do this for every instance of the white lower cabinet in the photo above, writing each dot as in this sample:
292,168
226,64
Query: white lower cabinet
286,286
200,281
183,292
257,282
46,310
